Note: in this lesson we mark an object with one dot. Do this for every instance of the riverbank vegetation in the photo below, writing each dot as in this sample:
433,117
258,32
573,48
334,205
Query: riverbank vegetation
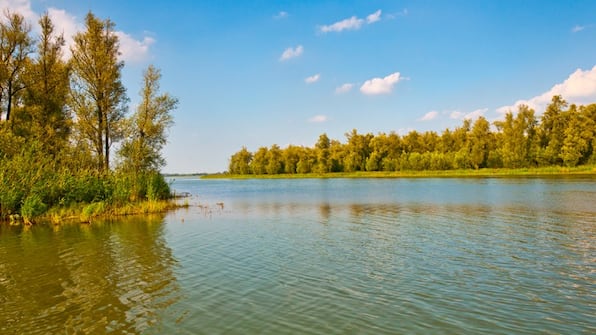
558,171
61,120
564,137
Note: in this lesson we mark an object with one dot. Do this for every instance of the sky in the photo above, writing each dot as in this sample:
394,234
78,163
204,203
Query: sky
258,73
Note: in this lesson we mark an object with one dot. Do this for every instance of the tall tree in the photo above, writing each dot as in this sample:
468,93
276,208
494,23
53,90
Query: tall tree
260,160
141,151
98,96
240,162
358,150
322,151
274,160
518,139
552,130
480,139
579,135
15,47
47,90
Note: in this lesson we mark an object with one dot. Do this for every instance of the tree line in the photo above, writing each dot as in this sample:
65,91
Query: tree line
565,135
60,120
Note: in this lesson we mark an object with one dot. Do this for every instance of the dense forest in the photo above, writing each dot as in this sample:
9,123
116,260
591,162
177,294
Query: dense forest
61,118
565,135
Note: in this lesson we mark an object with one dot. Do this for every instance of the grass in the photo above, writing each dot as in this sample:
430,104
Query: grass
86,213
588,170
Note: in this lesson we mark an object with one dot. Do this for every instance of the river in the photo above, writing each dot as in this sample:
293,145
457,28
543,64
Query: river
317,256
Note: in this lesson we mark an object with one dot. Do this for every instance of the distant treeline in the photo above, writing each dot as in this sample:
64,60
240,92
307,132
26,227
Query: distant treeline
565,135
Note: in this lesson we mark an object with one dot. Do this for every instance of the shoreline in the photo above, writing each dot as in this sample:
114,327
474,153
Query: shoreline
553,171
87,213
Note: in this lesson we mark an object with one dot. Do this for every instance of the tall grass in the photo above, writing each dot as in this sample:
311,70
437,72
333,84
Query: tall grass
31,183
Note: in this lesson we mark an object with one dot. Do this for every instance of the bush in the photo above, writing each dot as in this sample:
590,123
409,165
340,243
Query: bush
93,209
32,206
157,187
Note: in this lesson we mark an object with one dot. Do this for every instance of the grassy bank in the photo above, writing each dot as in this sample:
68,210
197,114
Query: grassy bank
87,213
588,170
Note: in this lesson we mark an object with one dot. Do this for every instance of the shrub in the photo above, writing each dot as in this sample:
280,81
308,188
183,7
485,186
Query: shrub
32,206
157,187
91,210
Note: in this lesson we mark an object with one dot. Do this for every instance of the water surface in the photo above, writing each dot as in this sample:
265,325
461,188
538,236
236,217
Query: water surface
320,256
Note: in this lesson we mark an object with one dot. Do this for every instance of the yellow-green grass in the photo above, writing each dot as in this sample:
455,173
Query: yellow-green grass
86,213
587,170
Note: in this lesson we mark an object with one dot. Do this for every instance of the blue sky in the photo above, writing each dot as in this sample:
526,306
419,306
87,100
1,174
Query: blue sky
257,73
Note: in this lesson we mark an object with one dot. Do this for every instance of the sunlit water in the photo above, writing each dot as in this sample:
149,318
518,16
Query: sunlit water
320,256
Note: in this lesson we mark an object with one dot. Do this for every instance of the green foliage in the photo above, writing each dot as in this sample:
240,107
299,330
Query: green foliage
147,127
240,162
16,45
92,210
563,137
157,187
32,206
52,159
32,178
98,97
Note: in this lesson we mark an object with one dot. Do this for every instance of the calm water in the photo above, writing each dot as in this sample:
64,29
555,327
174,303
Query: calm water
335,256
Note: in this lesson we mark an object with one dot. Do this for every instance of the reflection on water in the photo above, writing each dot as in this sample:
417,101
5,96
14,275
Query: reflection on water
391,256
85,278
423,256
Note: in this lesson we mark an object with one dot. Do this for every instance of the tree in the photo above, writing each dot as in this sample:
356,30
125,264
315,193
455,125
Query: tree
480,139
553,130
336,156
357,150
429,141
589,113
240,162
526,128
411,142
98,96
15,47
518,138
579,134
274,160
291,156
322,152
47,90
447,142
260,161
141,151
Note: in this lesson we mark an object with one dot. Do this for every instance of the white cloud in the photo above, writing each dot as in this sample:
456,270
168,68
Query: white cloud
380,85
313,79
134,50
578,88
131,49
291,53
318,119
374,17
280,15
66,25
429,116
22,7
392,16
475,114
458,115
577,28
345,88
352,23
